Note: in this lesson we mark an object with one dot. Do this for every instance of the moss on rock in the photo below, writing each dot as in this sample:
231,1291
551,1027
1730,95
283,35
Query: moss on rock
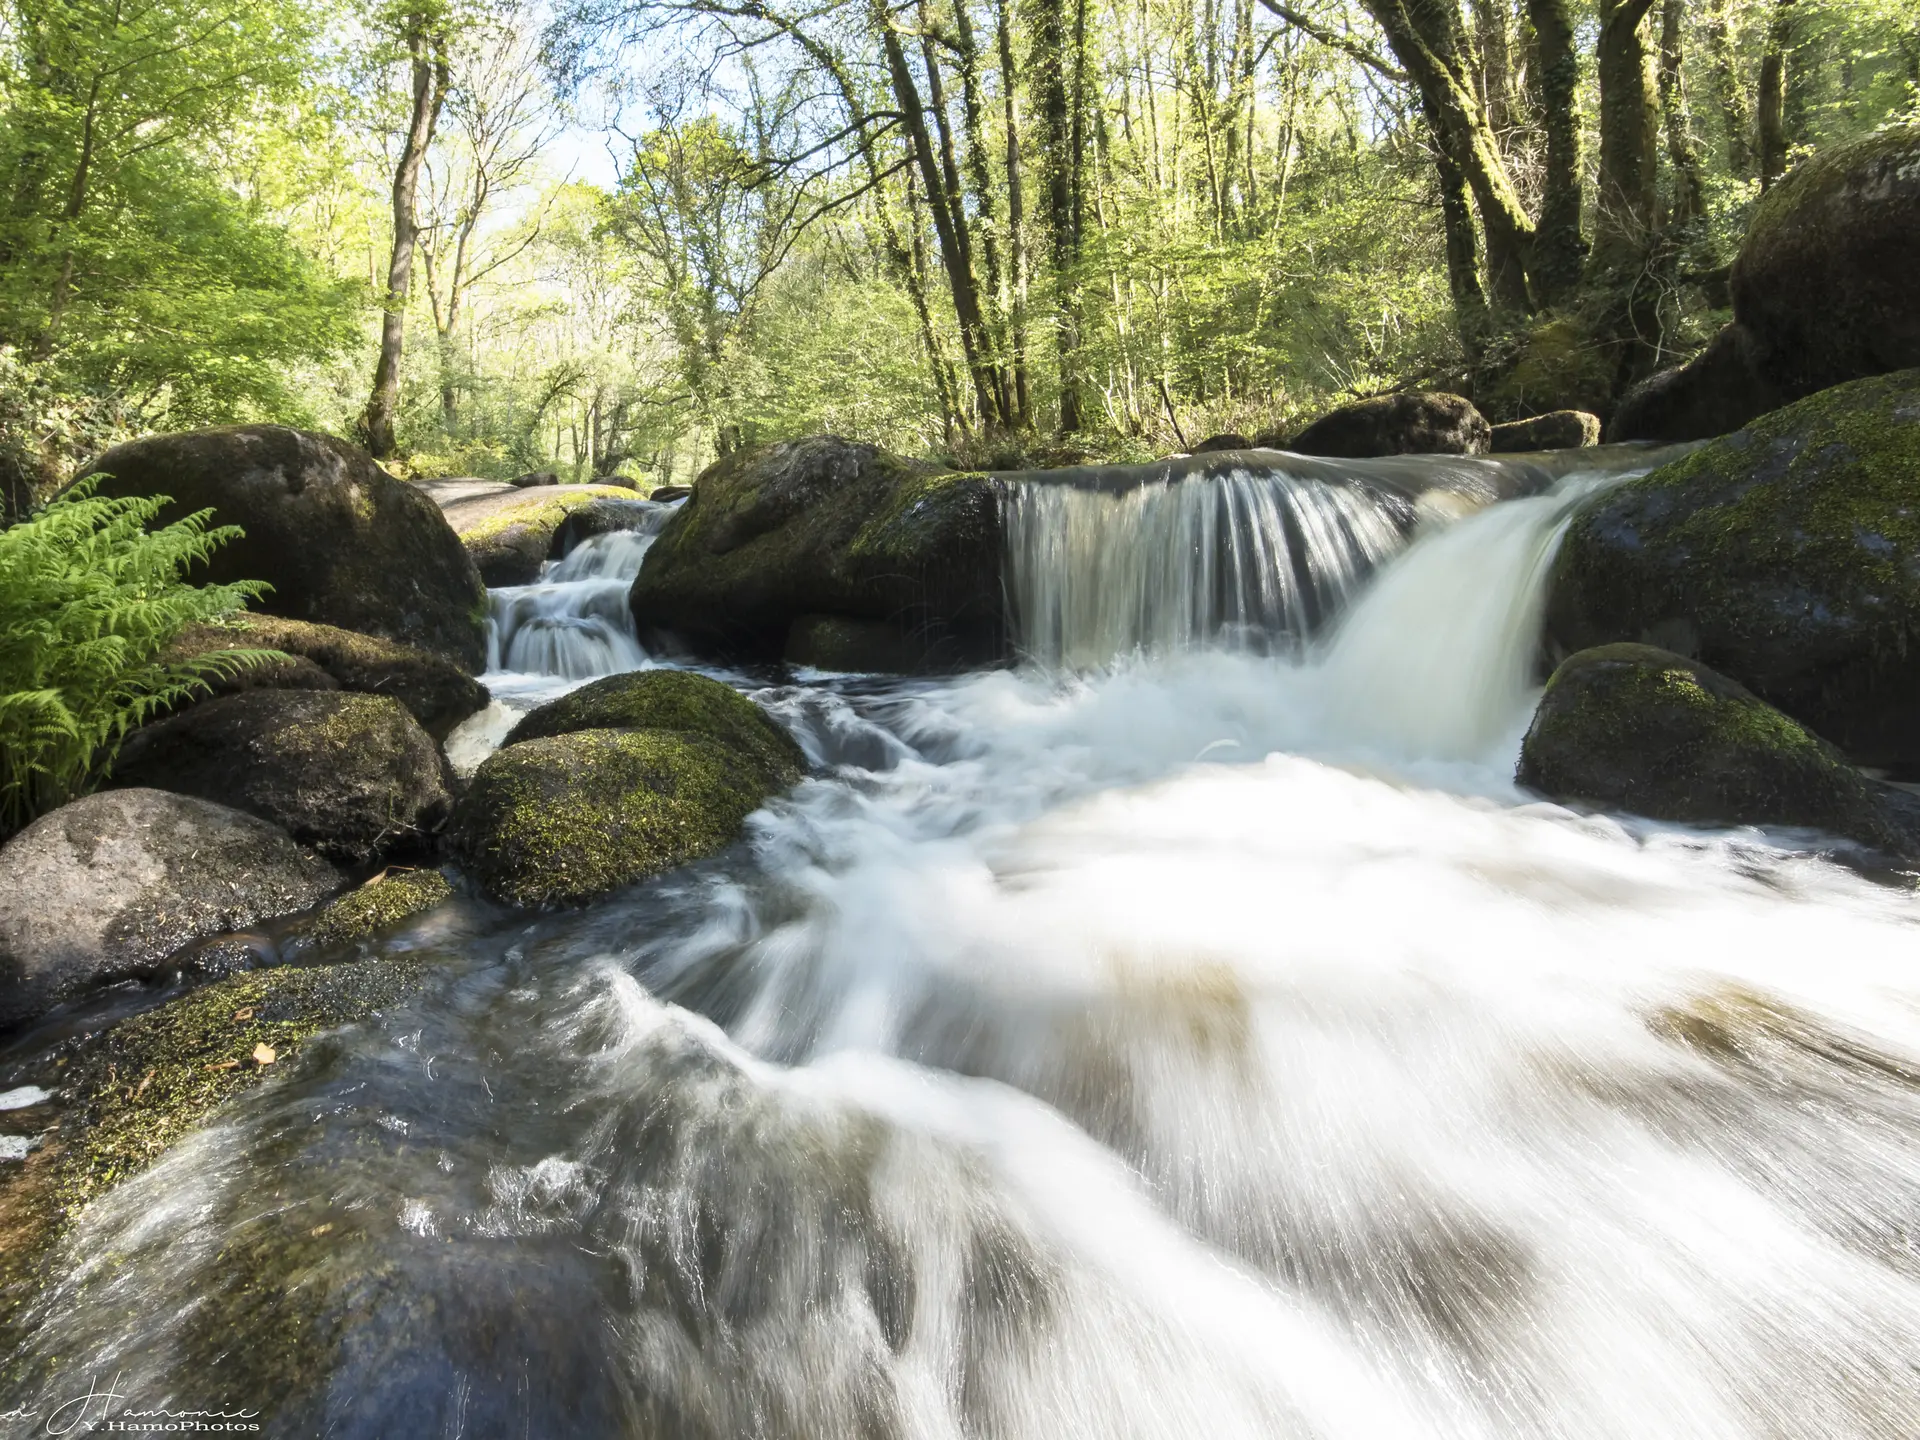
509,536
1635,728
825,526
666,700
1786,555
380,904
565,818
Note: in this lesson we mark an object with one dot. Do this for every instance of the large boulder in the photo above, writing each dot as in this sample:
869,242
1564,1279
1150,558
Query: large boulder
665,700
352,775
341,541
510,533
1823,293
560,820
1634,728
436,692
1556,430
825,526
1427,423
1785,555
107,887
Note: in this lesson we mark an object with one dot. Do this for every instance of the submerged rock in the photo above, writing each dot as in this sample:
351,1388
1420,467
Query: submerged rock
565,818
1786,556
825,526
436,692
1556,430
352,775
109,886
1634,728
1823,293
341,541
1429,423
665,700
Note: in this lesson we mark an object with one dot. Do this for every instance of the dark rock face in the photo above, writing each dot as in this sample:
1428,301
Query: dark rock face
1634,728
864,647
824,526
534,477
340,540
1823,293
602,517
1786,556
1226,440
1424,424
435,691
1556,430
510,534
1715,393
562,819
352,775
108,887
664,493
665,700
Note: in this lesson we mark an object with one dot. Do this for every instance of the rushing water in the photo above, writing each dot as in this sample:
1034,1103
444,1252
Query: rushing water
1206,1045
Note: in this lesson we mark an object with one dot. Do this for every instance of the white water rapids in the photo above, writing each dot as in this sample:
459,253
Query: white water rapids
1209,1045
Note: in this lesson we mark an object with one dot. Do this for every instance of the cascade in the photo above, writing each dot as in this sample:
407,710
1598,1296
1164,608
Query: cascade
1252,550
573,623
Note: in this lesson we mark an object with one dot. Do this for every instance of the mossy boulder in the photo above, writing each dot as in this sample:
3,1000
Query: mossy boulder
1558,361
436,692
666,700
1823,293
387,900
107,887
1556,430
561,820
341,541
511,533
352,775
1786,556
1635,728
834,642
825,526
1426,423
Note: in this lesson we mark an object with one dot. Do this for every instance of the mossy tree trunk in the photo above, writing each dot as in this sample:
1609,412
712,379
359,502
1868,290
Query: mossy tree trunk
1772,105
1560,243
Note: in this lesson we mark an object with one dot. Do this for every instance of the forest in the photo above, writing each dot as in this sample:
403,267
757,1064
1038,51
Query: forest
622,237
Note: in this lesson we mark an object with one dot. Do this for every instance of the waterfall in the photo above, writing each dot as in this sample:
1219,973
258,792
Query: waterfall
574,622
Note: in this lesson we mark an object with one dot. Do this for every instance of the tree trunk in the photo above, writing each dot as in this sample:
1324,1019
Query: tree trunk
1728,94
1772,106
1017,264
1052,66
1688,188
1626,208
1559,243
428,53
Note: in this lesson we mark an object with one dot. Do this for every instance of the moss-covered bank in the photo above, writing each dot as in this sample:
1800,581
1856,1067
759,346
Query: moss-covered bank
1786,556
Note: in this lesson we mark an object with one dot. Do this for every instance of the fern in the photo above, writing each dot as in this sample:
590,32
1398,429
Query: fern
89,602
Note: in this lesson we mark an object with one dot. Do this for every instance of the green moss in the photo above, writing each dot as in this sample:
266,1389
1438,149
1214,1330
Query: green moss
562,819
667,700
543,510
1559,363
380,904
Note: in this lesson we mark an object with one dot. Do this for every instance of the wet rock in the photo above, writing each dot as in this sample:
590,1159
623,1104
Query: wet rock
664,493
436,692
563,819
1822,291
1786,556
533,478
1634,728
1556,430
601,517
825,526
1431,423
1226,440
109,886
341,541
382,903
665,700
511,533
865,647
352,775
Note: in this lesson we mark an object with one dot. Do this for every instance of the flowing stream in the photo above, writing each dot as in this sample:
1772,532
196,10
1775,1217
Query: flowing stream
1201,1038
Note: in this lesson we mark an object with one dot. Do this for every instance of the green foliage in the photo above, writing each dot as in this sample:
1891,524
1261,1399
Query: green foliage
89,602
47,430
